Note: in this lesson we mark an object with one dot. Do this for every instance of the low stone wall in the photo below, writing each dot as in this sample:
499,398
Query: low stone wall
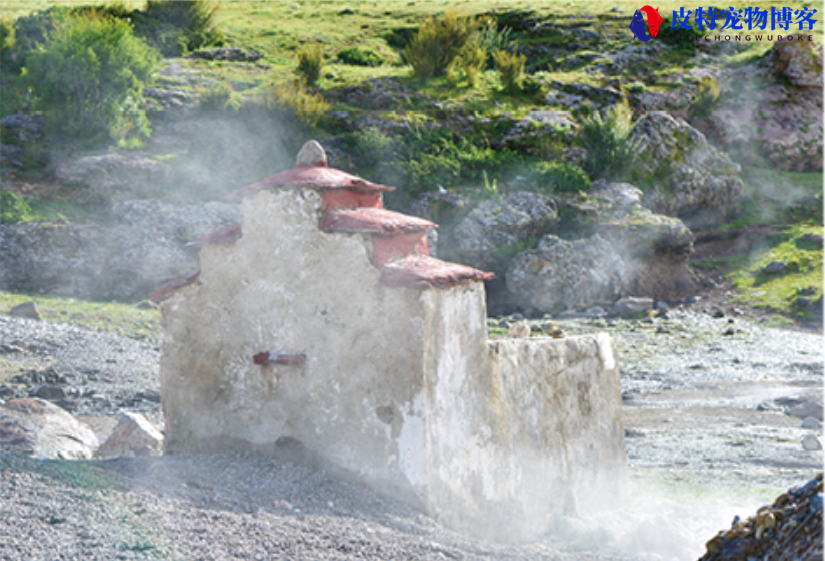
521,431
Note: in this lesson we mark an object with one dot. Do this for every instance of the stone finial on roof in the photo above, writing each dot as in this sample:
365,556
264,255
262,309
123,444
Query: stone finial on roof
311,154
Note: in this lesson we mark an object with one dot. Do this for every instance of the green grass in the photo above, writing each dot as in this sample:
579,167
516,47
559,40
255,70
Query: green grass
126,320
779,291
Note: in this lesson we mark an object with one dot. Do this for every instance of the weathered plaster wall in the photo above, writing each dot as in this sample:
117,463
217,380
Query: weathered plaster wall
400,386
287,286
518,431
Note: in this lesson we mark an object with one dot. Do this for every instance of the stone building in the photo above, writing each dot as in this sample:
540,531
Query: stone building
321,326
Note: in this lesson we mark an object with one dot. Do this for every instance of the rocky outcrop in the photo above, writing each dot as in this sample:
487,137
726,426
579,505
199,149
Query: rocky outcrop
38,428
500,227
134,435
230,54
690,178
574,96
143,247
656,249
770,124
799,62
115,176
560,275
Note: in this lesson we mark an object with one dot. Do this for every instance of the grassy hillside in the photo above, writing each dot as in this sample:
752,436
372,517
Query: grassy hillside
362,43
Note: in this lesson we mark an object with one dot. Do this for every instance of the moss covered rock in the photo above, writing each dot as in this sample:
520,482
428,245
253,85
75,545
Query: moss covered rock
682,173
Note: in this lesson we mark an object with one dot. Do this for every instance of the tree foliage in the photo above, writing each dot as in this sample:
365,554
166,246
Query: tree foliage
88,77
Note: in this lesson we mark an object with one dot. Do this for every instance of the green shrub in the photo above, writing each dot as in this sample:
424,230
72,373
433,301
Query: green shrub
293,100
13,208
357,56
471,62
439,41
491,38
88,78
310,62
178,26
610,152
636,88
218,96
510,66
560,177
706,97
9,58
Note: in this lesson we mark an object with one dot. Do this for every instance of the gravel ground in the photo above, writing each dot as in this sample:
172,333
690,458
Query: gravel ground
714,426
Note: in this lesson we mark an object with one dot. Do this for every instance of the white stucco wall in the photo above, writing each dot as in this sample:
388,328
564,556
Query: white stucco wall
519,431
287,286
400,387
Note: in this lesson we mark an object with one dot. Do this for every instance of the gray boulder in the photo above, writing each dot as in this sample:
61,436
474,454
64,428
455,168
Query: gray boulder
559,275
115,176
654,248
693,180
143,247
500,227
134,435
800,62
38,428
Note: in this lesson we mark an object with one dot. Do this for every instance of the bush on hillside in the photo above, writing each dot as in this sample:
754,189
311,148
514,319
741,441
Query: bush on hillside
88,78
610,152
179,26
510,67
358,56
292,100
471,62
560,177
310,63
13,208
439,41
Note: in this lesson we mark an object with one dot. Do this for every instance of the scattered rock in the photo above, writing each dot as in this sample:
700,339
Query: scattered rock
375,94
134,435
810,442
811,423
802,302
25,310
631,307
774,267
574,96
38,428
561,275
486,237
791,528
48,392
520,330
230,54
696,182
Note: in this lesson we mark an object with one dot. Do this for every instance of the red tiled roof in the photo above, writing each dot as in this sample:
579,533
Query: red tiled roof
166,290
315,176
422,271
372,221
